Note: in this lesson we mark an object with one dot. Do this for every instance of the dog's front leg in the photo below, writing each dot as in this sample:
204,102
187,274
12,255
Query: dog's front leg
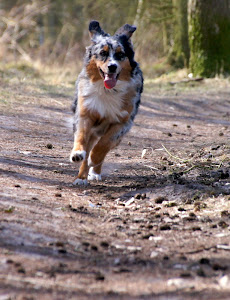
83,142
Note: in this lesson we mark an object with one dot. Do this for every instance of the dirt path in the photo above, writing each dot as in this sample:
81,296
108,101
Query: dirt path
156,227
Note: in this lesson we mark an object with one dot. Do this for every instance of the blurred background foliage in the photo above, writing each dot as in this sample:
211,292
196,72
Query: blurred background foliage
55,32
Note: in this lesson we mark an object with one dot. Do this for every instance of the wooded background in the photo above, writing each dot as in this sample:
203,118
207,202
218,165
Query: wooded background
171,33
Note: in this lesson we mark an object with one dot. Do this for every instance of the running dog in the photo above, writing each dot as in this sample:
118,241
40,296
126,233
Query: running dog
108,93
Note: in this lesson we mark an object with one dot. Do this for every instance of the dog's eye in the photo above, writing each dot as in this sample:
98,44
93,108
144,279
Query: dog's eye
104,53
120,55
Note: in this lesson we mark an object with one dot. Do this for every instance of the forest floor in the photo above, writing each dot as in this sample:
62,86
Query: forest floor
156,227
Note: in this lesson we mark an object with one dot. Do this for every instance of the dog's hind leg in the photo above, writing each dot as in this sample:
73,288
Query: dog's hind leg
107,142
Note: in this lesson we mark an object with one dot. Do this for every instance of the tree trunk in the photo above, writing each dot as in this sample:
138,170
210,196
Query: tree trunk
209,37
179,54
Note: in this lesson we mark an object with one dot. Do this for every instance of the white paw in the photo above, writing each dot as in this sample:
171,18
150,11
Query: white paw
77,156
79,181
93,175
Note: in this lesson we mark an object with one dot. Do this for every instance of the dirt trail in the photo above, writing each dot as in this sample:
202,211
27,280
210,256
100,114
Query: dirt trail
156,227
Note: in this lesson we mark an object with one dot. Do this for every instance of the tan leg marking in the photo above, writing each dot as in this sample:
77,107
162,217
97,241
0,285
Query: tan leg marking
104,145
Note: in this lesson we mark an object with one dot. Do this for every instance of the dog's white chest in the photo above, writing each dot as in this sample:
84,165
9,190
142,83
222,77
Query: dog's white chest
107,103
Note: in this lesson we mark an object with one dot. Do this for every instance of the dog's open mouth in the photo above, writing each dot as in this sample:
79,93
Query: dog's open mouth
110,79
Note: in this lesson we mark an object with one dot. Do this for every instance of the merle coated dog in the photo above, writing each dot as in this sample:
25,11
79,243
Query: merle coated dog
108,93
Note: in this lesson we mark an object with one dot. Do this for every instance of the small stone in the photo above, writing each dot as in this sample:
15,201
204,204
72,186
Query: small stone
146,236
223,224
218,267
21,270
62,251
204,261
104,244
58,195
160,199
94,247
149,226
181,209
196,228
137,196
49,146
17,185
9,261
191,214
224,281
213,226
100,277
171,204
154,254
59,244
225,213
165,227
215,147
185,275
143,196
157,216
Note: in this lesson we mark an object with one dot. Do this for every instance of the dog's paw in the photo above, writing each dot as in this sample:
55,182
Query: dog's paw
79,181
77,156
93,176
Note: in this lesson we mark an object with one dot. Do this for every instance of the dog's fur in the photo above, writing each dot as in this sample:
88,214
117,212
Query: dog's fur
108,92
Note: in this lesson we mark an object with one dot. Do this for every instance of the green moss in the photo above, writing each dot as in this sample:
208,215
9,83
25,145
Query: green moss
209,37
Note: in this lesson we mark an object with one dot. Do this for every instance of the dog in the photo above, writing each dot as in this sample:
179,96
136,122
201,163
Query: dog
108,94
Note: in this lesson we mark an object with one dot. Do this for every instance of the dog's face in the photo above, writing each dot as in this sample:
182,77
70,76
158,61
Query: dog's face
110,58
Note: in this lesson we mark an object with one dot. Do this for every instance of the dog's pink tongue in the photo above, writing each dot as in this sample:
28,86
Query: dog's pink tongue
110,81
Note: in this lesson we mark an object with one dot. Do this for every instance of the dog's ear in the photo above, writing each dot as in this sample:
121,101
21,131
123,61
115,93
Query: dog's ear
95,30
126,30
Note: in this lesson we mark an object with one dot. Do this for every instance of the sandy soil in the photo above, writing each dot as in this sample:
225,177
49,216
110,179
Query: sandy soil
156,227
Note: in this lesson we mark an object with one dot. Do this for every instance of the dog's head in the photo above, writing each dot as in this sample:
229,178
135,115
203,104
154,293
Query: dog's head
110,58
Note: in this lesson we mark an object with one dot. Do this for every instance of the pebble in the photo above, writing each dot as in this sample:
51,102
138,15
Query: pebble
185,275
179,282
171,204
165,227
49,146
225,213
94,248
218,267
204,261
154,254
160,199
137,196
130,201
104,244
181,209
58,195
99,276
224,281
223,224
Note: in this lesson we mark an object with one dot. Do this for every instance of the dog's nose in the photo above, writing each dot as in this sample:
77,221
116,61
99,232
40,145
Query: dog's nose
112,68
